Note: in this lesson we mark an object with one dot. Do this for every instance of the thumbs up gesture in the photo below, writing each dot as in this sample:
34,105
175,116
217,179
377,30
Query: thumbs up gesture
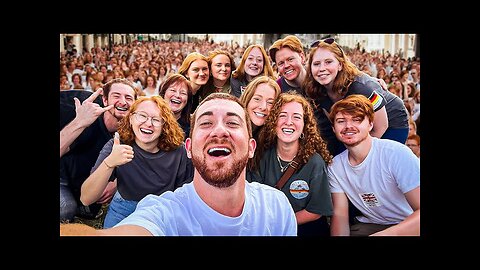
121,153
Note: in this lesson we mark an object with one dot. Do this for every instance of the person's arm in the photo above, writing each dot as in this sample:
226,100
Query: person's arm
411,225
108,192
93,187
380,123
86,113
303,216
339,223
382,83
76,229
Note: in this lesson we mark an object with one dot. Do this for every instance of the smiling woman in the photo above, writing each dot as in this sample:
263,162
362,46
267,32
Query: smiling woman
146,157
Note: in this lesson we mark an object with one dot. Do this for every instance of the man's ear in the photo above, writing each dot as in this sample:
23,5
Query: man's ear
188,147
252,145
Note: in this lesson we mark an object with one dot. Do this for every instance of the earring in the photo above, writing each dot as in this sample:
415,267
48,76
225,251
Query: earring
302,136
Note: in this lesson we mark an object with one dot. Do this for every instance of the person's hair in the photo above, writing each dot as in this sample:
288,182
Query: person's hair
414,89
343,79
223,96
414,137
252,87
178,78
239,72
171,136
292,42
191,57
412,122
406,102
311,142
108,85
216,52
354,105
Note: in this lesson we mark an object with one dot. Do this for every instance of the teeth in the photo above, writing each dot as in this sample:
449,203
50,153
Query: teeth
288,130
219,149
146,131
176,101
260,114
121,109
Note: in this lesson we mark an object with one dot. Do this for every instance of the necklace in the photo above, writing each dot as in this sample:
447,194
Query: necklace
283,168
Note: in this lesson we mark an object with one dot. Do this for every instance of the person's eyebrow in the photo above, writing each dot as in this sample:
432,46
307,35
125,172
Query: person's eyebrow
204,114
209,113
234,114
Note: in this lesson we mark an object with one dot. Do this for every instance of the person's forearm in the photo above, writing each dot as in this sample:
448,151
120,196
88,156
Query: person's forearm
68,134
77,229
339,226
303,216
408,227
92,189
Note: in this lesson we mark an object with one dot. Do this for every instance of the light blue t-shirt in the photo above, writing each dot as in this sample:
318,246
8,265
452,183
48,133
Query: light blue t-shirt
267,212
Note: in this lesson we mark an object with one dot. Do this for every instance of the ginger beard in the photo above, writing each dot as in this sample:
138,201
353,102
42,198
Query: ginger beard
222,173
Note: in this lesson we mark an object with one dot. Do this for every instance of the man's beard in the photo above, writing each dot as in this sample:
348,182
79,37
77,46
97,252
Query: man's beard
220,176
112,113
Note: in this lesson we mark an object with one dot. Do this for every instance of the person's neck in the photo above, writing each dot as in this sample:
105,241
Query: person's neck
218,83
226,201
287,151
177,114
358,153
297,82
195,87
250,78
111,122
151,147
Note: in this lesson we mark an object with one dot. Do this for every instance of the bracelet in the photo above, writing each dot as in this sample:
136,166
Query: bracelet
107,164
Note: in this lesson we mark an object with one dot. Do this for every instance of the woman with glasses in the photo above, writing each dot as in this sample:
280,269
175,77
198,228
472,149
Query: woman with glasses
331,77
146,156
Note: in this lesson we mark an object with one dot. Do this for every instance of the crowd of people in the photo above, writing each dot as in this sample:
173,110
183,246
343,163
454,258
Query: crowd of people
206,138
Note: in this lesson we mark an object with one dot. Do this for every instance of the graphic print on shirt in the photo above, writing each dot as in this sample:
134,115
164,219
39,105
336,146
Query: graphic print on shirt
369,199
299,189
375,99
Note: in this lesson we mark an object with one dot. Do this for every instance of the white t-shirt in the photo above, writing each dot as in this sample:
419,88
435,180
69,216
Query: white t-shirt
378,184
267,212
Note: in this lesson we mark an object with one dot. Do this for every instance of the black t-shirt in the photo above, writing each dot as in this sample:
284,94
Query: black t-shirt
76,164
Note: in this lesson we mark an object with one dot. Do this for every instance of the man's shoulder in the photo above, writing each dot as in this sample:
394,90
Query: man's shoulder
266,192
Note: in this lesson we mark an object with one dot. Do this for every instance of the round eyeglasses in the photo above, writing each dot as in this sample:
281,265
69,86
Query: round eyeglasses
142,118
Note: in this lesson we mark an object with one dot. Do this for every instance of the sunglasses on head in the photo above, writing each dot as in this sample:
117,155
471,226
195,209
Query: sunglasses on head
329,41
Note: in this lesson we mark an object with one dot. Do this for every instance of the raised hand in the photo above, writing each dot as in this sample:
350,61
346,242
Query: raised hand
121,153
88,111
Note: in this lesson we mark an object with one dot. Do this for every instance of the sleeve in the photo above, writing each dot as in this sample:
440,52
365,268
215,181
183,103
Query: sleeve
150,214
106,150
406,168
332,179
321,198
372,90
